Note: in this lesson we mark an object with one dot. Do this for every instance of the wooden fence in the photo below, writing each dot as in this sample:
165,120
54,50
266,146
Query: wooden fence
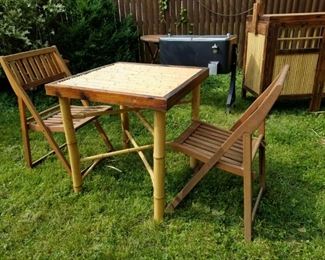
204,16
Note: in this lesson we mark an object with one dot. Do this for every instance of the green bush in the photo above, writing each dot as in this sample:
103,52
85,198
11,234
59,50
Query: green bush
87,32
27,24
92,35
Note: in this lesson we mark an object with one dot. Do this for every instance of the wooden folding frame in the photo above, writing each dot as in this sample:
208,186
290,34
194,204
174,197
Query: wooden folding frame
30,70
232,150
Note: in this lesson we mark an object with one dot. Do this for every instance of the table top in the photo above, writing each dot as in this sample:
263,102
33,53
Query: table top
153,38
141,85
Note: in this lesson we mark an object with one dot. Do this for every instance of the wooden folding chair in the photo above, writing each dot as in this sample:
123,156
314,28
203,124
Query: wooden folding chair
232,150
30,70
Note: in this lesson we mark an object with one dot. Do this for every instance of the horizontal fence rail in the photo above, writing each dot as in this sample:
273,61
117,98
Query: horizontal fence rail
207,17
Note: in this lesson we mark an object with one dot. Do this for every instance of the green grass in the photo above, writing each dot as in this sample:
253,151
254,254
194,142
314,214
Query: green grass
112,218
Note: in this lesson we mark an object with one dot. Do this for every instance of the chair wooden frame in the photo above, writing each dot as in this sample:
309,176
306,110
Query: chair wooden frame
30,70
232,151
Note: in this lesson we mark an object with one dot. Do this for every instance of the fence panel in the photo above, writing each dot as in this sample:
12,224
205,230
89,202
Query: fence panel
204,16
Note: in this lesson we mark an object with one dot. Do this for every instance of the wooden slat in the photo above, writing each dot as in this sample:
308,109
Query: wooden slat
29,70
190,16
212,147
215,141
196,29
16,72
53,64
225,18
55,123
205,22
150,17
199,149
207,17
35,68
178,25
36,83
173,16
204,156
22,71
121,8
28,54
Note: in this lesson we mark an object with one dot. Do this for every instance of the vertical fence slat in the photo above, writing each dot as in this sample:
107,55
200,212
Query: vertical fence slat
178,25
121,8
150,19
207,23
230,17
213,18
201,19
219,17
190,16
321,6
237,9
314,7
223,20
126,8
172,16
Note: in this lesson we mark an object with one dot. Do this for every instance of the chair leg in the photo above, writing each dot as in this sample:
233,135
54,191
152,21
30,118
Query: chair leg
247,182
262,167
187,188
125,126
243,93
248,205
103,135
25,133
55,147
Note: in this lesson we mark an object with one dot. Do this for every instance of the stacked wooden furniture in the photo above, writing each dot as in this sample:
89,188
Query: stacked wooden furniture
273,40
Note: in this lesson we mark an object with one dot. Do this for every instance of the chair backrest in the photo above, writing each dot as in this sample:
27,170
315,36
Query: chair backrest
258,110
252,118
256,113
31,69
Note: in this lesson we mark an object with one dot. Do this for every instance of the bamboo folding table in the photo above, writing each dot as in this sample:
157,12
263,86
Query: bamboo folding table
133,86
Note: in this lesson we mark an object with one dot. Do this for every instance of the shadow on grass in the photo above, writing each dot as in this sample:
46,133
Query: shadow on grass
286,211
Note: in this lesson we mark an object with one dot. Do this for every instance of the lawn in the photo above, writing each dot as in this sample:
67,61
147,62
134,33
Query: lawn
42,218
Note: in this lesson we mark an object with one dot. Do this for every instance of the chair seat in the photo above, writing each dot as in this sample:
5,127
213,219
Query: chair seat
54,122
202,140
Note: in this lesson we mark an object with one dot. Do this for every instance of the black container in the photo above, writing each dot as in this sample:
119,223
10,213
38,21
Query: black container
198,50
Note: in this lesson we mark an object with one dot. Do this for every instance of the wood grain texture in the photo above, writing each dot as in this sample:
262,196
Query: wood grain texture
296,39
231,150
29,70
132,84
204,15
255,56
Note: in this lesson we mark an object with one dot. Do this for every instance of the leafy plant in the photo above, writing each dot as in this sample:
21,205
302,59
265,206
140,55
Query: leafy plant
183,20
91,35
27,24
163,7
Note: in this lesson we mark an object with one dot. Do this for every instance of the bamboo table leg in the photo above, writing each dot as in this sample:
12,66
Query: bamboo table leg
71,140
159,165
195,115
125,126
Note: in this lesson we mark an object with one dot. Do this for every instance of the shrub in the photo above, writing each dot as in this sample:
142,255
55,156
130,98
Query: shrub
92,35
87,32
27,24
